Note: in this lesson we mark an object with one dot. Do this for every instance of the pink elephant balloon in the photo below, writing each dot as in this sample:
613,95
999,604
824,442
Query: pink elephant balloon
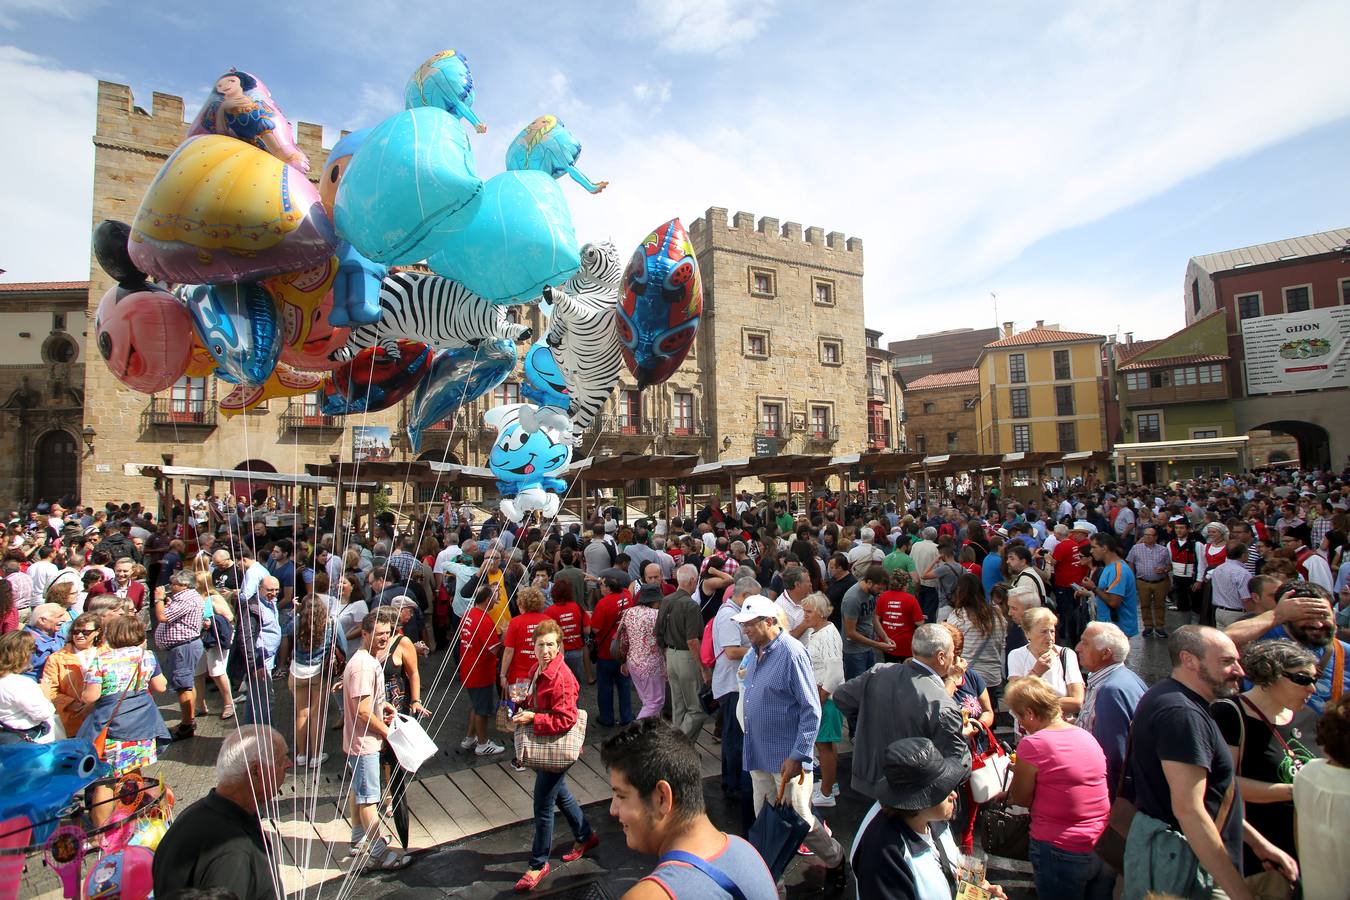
145,337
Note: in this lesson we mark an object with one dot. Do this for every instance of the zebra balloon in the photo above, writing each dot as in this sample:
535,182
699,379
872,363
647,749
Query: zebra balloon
533,447
583,332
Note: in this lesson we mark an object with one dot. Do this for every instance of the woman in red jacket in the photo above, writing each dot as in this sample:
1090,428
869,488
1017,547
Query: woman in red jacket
552,710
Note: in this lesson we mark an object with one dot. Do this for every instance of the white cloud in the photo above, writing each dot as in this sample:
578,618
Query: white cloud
703,26
12,10
48,168
654,94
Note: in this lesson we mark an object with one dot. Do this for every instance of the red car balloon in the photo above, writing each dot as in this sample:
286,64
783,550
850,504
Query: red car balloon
373,381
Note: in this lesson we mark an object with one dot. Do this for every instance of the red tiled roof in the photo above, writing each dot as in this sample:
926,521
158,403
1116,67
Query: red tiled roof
1127,352
33,287
1044,336
961,378
1173,361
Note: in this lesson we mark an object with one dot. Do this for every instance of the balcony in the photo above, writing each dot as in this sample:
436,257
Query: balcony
305,417
878,440
771,429
1170,393
171,412
821,436
623,426
876,389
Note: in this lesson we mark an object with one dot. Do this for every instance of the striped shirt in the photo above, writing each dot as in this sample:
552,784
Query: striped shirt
1146,560
182,619
782,706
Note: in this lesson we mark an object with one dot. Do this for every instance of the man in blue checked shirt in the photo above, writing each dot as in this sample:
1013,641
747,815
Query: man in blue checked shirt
782,715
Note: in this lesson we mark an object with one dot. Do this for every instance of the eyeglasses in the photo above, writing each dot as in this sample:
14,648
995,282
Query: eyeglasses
1302,679
85,631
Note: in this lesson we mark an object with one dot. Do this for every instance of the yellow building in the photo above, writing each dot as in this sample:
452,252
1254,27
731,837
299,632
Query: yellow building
1040,391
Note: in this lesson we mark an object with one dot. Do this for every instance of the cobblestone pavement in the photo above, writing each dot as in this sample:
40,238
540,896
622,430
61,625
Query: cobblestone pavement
188,766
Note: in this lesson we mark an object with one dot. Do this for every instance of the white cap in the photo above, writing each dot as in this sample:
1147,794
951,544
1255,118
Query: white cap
1084,526
756,606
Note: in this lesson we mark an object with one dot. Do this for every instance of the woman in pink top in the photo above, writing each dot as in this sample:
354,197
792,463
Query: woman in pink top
1060,774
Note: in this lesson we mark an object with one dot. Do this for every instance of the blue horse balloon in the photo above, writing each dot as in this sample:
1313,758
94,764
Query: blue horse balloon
411,182
546,145
457,377
39,781
237,324
544,383
519,242
445,82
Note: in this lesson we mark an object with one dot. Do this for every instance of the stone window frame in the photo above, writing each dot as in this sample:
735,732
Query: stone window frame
60,339
831,289
837,343
830,421
761,421
1247,295
747,333
1026,431
1284,296
925,408
754,272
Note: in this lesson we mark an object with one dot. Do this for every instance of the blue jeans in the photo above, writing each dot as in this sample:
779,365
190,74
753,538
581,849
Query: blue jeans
1071,876
857,663
550,789
607,680
258,705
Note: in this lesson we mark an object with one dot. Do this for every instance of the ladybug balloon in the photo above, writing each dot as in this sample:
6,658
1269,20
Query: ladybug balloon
661,305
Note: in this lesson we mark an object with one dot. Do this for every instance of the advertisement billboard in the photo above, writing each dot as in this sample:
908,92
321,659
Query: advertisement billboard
1299,351
371,442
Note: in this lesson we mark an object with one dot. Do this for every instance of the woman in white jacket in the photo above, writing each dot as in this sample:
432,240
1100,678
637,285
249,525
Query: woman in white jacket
826,647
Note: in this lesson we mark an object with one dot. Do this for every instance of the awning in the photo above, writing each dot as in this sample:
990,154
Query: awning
1196,448
193,473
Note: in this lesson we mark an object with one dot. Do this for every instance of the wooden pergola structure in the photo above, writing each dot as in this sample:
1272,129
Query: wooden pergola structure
622,470
375,476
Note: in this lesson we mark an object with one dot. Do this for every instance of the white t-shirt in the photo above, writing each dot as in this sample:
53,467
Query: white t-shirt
445,558
24,706
1021,662
42,573
1322,796
352,615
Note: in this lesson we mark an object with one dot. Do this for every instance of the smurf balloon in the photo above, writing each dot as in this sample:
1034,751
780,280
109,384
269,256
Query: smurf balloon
544,383
457,377
240,106
520,241
662,303
583,334
432,310
533,447
546,145
145,337
445,82
237,324
222,210
411,182
373,381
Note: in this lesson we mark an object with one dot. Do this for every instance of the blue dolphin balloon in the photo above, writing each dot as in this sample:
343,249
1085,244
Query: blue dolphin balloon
444,82
412,180
544,383
546,145
39,781
533,447
519,242
457,377
237,324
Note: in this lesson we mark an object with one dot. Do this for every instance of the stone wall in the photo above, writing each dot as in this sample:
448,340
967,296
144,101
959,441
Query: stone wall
952,412
785,311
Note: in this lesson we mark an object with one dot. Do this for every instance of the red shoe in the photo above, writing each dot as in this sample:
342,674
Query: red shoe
528,882
579,850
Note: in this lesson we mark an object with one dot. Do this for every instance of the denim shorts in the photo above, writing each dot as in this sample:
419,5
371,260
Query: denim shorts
484,700
365,778
180,664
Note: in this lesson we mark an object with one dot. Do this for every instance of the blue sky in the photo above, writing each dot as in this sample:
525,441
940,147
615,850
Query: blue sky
1069,157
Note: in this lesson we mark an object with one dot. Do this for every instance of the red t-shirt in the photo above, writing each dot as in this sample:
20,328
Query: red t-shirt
1071,563
900,614
605,620
520,638
972,568
477,639
571,618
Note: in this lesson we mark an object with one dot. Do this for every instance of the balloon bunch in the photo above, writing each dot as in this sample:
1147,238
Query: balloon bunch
237,265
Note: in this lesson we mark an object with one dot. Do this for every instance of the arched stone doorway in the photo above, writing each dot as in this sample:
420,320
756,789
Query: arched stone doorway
1314,443
245,487
56,470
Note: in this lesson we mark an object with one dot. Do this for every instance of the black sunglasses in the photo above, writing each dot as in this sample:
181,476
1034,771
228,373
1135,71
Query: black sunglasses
85,631
1302,679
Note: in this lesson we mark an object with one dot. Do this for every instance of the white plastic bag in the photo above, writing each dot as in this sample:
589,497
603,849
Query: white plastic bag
411,743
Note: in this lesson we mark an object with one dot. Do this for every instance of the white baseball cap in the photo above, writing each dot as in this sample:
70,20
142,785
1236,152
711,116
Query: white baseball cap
1084,526
756,606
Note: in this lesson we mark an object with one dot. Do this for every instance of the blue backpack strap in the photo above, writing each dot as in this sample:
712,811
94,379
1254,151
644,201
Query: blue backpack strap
707,868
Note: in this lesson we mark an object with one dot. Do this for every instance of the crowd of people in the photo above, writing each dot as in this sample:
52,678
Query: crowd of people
938,634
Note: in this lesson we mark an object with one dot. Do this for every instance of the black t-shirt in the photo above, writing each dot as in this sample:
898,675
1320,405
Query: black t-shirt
836,592
230,579
1261,756
214,844
1173,723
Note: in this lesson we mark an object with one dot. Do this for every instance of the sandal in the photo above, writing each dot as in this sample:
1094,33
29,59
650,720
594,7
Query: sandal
227,713
391,862
184,731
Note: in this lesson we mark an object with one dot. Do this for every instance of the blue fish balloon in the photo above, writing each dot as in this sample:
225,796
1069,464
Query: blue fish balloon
520,241
411,182
237,324
533,447
546,145
39,781
444,82
457,377
544,383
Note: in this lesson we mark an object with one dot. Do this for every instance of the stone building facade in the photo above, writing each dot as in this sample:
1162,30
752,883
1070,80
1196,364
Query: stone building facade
42,341
940,413
810,377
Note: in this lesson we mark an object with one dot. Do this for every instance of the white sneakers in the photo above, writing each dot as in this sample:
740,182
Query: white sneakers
819,799
468,743
315,761
491,748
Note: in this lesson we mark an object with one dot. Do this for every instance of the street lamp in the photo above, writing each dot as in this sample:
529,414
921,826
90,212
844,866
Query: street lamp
88,434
